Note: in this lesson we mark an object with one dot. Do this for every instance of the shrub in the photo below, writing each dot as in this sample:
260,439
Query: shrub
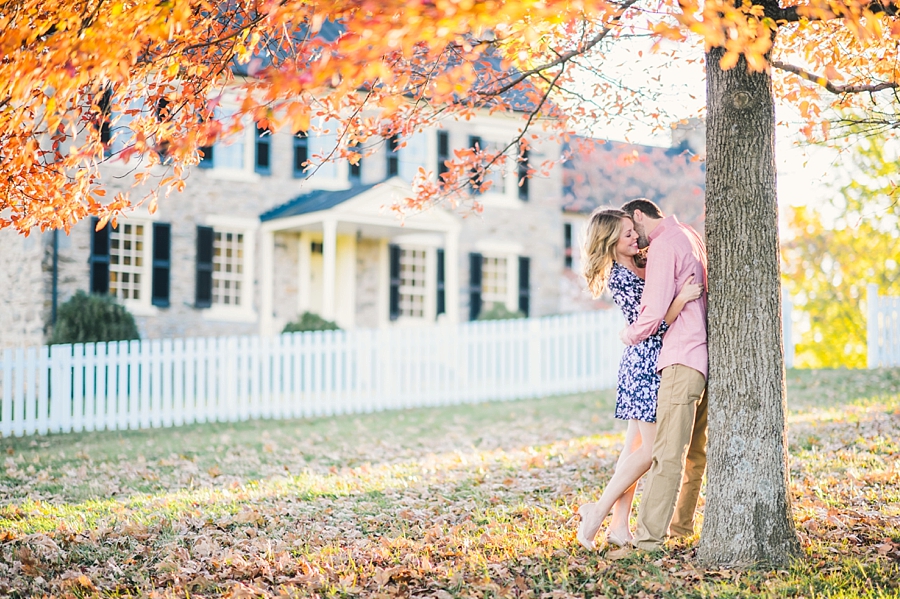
310,322
499,311
89,318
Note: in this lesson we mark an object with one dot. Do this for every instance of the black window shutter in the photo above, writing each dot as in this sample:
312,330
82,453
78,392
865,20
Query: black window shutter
443,153
263,164
162,262
524,272
206,161
475,261
301,153
99,258
441,292
395,282
567,241
205,236
393,156
476,177
523,176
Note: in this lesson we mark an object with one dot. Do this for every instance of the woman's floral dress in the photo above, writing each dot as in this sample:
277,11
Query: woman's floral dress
638,379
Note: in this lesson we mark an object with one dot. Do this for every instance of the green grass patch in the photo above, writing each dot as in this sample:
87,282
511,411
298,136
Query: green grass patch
458,501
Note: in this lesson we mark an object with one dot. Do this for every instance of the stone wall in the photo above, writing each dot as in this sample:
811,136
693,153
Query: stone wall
214,197
24,289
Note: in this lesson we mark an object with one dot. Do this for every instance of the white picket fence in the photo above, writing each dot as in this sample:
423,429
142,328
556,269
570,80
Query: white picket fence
170,382
883,329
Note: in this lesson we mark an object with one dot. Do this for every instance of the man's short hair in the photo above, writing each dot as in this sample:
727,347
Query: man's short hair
645,206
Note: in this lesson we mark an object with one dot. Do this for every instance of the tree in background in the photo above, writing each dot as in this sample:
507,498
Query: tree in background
612,173
827,265
378,70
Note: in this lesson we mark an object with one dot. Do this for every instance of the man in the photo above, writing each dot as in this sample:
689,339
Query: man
679,452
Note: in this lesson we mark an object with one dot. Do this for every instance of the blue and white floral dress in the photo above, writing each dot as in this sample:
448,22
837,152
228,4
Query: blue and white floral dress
638,379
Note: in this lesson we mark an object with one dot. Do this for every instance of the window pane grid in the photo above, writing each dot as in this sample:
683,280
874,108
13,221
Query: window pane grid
228,268
126,261
493,280
412,283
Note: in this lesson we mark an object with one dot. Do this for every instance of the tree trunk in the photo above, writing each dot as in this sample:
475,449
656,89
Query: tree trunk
747,518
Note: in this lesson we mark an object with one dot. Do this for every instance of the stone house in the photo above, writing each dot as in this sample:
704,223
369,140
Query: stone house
255,239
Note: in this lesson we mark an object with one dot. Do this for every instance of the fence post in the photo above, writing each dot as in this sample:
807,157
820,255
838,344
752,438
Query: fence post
874,359
787,328
535,359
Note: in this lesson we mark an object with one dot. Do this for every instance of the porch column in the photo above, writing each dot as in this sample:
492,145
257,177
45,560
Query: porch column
329,267
451,276
267,283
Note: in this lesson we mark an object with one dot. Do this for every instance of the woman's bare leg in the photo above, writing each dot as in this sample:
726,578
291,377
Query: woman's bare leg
626,475
621,511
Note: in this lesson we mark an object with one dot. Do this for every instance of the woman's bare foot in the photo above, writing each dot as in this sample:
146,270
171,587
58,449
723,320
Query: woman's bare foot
619,538
589,525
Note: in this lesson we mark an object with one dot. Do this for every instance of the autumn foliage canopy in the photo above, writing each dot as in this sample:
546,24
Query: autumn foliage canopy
377,70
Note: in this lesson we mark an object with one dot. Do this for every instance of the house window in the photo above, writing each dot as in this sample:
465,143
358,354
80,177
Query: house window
126,261
263,164
412,283
228,268
301,153
227,152
393,157
495,173
493,280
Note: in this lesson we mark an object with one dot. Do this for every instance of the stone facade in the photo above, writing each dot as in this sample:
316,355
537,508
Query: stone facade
26,301
231,200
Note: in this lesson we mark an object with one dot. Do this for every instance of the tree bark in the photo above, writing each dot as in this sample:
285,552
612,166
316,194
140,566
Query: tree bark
748,518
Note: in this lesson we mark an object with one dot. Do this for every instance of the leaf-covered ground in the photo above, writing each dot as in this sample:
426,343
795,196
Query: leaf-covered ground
464,501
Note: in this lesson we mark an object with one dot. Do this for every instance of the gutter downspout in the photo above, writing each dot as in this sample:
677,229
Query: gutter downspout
55,279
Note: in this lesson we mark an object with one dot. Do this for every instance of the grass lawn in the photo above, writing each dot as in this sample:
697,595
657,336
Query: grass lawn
448,502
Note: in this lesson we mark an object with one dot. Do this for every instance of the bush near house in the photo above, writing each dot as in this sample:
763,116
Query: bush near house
92,318
499,311
310,322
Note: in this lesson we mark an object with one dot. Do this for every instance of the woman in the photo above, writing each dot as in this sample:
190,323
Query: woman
612,259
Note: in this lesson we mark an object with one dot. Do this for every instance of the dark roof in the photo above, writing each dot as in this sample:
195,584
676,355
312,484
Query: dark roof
489,74
261,59
314,202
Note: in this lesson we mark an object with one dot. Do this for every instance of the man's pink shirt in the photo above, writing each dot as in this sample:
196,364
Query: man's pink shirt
676,252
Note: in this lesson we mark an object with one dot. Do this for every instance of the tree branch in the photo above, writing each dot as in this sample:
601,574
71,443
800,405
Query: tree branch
792,14
833,87
562,59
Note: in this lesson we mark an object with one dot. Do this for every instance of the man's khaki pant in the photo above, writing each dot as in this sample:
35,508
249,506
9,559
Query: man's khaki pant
679,458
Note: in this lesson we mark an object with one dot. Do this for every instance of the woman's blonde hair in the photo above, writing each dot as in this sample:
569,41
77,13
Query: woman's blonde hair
599,248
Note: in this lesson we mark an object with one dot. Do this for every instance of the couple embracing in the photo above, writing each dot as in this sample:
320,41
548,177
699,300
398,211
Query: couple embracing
662,376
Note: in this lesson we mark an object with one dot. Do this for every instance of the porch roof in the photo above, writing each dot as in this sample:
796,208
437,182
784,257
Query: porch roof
314,201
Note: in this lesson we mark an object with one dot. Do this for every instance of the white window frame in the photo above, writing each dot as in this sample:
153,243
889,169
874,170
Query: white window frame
415,290
496,133
510,252
142,306
429,244
318,142
247,135
245,311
